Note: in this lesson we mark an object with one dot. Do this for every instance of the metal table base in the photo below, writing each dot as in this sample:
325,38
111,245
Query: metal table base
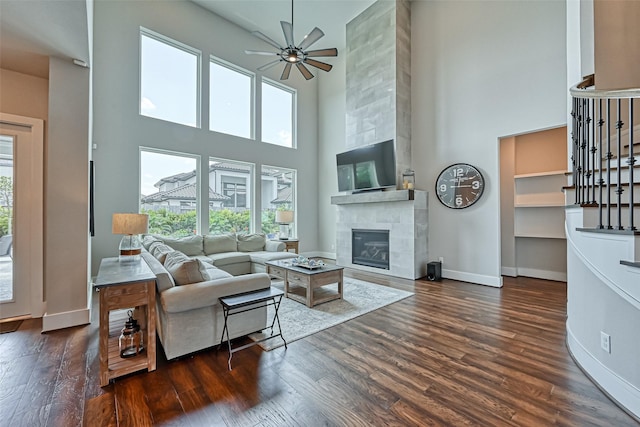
240,303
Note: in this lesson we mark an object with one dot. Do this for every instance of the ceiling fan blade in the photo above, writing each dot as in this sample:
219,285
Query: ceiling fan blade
304,70
323,52
315,35
286,71
259,52
267,39
269,65
287,29
321,65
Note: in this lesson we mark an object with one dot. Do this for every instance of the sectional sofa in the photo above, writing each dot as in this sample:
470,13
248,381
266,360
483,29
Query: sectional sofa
193,272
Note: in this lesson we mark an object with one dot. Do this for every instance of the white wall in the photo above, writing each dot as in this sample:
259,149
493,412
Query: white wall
67,196
480,70
119,130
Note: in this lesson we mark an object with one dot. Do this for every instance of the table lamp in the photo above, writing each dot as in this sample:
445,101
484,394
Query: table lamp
131,225
284,218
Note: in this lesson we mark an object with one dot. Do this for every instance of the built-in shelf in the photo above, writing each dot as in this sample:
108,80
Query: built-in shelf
536,174
541,199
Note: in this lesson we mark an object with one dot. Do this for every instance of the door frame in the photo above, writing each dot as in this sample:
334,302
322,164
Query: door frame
35,249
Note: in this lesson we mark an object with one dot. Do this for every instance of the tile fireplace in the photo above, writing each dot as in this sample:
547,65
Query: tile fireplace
398,222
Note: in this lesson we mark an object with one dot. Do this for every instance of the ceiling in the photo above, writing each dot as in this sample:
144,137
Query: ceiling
31,31
331,16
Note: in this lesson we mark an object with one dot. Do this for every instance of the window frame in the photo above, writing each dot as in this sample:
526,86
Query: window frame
177,45
294,193
294,111
252,93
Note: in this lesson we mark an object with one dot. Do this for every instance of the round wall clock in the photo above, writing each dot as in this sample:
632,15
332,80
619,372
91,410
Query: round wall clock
459,186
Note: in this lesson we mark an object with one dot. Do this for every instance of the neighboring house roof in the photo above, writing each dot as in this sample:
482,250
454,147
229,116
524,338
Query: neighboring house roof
188,175
284,196
185,192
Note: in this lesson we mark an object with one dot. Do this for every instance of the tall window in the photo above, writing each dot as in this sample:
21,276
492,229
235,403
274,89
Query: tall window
231,100
169,79
278,106
169,192
278,193
230,196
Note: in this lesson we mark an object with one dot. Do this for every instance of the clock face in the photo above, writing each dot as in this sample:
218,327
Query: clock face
459,186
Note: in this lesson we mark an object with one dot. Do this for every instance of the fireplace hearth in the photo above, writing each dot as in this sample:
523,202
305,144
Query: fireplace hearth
370,248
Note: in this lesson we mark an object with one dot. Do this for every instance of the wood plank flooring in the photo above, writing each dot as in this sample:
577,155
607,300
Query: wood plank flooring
454,354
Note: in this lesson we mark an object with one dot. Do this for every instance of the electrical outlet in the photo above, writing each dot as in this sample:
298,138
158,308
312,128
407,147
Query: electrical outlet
441,259
605,342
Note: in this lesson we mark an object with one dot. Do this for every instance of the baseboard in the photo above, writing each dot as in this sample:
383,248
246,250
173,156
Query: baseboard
617,388
509,271
478,279
67,319
542,274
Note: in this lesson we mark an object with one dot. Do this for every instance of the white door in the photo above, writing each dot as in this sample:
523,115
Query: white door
21,217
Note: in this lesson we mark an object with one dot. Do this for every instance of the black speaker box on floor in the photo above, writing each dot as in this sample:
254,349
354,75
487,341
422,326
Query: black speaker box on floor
434,271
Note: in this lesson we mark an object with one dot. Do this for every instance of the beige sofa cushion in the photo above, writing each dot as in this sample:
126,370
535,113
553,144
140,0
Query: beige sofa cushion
251,242
185,270
218,243
190,245
228,258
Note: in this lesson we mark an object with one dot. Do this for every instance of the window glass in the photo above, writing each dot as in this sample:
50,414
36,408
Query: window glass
230,199
169,192
169,80
278,105
230,100
278,194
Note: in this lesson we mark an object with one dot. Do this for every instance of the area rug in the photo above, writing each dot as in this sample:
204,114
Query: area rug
11,326
299,321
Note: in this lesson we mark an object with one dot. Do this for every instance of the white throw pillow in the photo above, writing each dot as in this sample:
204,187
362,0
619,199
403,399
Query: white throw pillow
160,251
185,270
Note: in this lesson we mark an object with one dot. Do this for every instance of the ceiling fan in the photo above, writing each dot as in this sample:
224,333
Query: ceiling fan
295,55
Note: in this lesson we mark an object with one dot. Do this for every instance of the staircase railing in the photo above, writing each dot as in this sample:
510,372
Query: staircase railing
603,139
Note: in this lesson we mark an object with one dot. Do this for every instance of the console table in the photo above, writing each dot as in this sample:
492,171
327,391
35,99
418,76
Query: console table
122,286
291,244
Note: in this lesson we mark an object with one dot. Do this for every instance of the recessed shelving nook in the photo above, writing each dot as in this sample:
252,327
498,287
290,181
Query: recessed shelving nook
533,170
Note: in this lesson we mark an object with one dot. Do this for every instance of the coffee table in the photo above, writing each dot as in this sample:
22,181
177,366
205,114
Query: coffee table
308,286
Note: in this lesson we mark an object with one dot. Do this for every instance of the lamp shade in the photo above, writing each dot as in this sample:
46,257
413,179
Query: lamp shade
284,217
129,223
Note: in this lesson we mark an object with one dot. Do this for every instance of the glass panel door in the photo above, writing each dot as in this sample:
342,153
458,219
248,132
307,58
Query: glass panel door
7,180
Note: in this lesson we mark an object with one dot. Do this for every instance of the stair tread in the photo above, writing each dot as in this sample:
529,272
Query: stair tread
610,231
630,263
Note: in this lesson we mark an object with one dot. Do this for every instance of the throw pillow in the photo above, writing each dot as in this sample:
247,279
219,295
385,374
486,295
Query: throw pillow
185,270
148,239
251,242
160,251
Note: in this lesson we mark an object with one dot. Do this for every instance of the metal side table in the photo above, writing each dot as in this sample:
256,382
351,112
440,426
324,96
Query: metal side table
239,303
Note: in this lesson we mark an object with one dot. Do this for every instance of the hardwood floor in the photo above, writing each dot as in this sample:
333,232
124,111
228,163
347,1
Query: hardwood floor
453,354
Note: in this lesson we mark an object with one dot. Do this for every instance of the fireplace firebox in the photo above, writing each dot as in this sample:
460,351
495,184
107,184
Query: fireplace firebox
370,248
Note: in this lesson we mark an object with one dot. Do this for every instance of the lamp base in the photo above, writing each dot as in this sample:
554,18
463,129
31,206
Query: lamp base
130,249
284,232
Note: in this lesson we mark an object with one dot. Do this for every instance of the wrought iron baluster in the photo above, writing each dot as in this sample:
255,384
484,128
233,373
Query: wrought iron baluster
583,153
609,155
631,161
619,190
600,154
592,140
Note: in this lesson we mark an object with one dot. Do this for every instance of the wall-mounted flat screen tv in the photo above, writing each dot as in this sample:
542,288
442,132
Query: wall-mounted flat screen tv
365,168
